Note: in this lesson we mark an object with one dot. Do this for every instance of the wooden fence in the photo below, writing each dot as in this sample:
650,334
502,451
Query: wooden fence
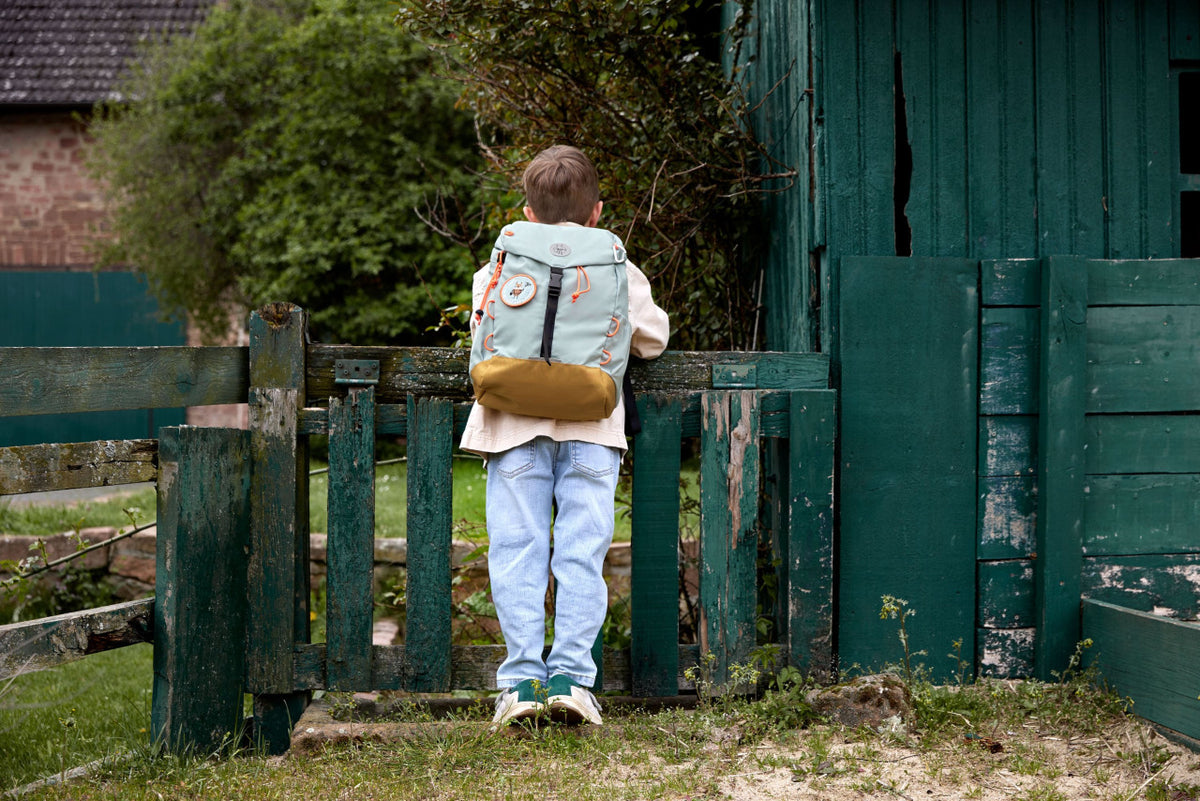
231,611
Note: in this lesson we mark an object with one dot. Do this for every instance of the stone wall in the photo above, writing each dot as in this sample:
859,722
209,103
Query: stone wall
50,211
130,562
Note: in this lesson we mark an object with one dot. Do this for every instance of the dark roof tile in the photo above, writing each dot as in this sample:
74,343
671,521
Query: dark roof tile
72,52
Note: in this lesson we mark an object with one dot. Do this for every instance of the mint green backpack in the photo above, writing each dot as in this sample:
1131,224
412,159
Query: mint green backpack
553,333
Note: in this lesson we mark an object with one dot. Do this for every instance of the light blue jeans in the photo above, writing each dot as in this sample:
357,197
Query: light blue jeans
523,485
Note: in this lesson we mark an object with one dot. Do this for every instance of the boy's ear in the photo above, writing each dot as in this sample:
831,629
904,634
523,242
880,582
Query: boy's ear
595,216
529,215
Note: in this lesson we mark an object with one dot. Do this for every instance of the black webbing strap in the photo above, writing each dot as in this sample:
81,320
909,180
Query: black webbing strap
633,423
555,289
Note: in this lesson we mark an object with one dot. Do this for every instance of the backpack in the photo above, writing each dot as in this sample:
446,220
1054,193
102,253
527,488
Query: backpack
552,335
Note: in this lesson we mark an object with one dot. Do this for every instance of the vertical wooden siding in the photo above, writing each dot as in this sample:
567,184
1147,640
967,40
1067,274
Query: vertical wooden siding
785,123
1139,436
1036,129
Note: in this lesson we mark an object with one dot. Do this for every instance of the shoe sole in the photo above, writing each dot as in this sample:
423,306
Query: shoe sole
564,709
519,710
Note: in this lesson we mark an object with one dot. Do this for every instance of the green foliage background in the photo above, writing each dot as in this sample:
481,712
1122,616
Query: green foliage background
289,151
651,90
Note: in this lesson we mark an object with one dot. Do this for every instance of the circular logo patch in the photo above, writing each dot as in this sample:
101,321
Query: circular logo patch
560,249
518,290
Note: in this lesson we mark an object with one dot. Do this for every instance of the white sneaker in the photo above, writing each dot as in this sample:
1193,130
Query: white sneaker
571,703
519,702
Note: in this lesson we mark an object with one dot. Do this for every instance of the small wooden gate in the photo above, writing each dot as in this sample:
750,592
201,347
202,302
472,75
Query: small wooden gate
766,427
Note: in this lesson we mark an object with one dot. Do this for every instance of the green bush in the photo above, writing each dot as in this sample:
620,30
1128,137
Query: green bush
289,151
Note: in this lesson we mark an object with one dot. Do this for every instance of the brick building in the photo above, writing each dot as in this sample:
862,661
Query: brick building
58,59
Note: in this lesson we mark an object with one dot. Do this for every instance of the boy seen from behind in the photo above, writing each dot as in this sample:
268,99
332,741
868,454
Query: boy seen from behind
552,470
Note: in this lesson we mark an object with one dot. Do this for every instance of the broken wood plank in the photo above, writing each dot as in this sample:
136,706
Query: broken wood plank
52,641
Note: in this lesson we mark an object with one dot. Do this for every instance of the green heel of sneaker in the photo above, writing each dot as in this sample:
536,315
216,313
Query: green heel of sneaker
519,702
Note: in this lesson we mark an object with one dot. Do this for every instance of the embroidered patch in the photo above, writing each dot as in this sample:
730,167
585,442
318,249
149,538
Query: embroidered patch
518,290
560,249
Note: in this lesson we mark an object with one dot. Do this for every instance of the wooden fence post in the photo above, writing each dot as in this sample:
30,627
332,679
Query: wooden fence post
351,545
1062,395
200,587
278,564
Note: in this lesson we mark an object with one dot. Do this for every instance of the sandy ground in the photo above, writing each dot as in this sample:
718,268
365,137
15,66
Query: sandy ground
1132,763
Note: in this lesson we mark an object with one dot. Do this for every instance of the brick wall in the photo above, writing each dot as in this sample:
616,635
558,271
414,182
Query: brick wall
50,211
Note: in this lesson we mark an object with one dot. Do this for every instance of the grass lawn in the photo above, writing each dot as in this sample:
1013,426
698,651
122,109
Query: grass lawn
992,740
54,720
391,496
99,706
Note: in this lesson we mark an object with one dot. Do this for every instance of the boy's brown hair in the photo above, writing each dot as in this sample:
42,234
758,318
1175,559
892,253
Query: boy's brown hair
561,185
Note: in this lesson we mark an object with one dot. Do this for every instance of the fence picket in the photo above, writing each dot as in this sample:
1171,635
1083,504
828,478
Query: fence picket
200,587
729,489
349,601
278,563
430,518
654,591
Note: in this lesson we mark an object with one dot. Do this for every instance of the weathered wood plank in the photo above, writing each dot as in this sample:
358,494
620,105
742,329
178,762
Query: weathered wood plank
1143,359
200,587
931,57
1000,132
1008,445
1140,282
430,520
1006,594
39,468
1059,528
908,458
1165,584
474,667
1007,517
730,470
51,641
858,56
1153,660
810,511
654,591
1139,172
1004,653
392,418
1010,282
64,380
1142,514
442,372
278,559
1143,443
351,552
1070,118
1008,361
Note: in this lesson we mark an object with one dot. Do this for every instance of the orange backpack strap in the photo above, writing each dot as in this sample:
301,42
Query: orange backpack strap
491,285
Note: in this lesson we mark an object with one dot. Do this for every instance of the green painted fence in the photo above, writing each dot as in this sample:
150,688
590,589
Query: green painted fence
233,512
